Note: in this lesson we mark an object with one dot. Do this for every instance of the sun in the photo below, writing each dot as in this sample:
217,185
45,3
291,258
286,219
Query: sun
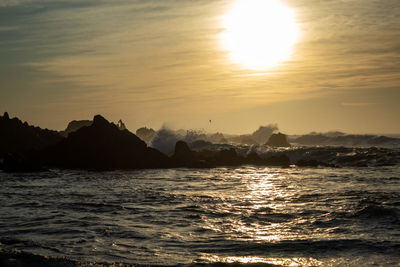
259,34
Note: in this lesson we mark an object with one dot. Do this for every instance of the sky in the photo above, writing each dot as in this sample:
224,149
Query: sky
160,62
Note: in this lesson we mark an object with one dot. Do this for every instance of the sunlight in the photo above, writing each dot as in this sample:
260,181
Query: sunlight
259,34
265,260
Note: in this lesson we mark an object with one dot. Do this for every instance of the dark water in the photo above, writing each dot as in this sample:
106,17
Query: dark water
308,217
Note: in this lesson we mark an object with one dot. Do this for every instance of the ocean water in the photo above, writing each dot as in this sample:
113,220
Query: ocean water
280,216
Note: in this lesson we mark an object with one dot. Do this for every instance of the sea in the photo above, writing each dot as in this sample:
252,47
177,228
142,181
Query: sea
347,215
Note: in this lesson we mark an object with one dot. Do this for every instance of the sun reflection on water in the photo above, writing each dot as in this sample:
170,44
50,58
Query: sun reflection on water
265,260
254,215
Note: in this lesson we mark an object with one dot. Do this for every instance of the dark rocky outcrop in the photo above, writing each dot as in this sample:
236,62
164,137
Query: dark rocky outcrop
146,134
225,157
279,160
102,146
278,140
74,126
13,163
200,144
184,157
17,137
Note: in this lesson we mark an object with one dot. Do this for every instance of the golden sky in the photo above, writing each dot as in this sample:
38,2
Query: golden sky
150,62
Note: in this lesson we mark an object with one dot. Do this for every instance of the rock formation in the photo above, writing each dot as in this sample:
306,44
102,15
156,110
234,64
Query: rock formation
146,134
184,157
13,163
278,140
17,137
74,126
103,146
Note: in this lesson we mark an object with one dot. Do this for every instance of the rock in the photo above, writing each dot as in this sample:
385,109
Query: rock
17,137
254,158
100,122
182,151
200,144
12,163
184,157
146,134
226,157
312,163
263,133
74,126
279,160
278,140
103,146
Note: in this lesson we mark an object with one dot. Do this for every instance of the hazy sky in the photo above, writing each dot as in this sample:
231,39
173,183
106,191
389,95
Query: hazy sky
154,61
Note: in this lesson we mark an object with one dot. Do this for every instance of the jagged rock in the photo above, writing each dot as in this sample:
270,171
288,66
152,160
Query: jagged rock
12,163
103,146
278,140
182,151
184,157
74,126
226,157
17,137
146,134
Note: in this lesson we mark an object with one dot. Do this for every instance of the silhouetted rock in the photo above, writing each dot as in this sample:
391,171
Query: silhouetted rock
254,158
279,160
341,139
263,133
226,157
182,151
74,126
199,144
260,136
312,163
26,259
103,146
278,140
13,163
17,137
184,157
146,134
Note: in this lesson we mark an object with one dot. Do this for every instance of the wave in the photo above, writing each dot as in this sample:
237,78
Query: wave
377,212
338,156
342,139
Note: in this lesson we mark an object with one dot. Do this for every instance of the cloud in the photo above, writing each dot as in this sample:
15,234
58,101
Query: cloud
357,104
140,56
